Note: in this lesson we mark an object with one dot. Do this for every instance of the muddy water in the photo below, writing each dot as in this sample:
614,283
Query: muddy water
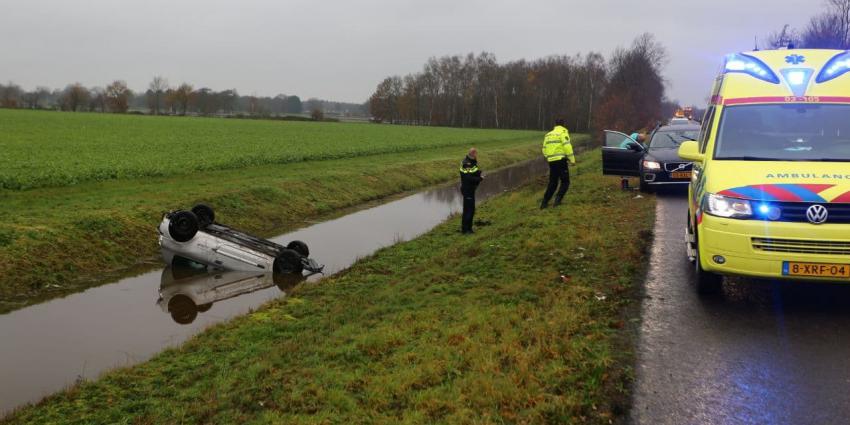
51,345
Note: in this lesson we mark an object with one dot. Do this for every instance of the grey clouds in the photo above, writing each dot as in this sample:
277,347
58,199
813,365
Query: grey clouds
340,50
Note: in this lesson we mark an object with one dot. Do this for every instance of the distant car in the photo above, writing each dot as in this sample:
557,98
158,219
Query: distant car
195,235
680,121
187,288
656,164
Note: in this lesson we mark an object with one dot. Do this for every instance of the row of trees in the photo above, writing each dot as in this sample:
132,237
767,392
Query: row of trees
828,30
115,97
162,98
477,91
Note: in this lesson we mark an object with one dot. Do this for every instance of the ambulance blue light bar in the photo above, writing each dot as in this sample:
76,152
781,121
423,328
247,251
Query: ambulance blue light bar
746,64
836,67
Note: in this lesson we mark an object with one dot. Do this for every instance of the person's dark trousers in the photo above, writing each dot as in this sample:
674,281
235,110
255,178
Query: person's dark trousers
468,210
558,173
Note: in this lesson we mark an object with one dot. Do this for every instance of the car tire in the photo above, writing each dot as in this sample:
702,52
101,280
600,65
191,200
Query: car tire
706,282
182,225
205,214
286,282
299,247
183,310
288,262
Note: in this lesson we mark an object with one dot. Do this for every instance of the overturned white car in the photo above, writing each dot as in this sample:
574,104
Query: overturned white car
194,235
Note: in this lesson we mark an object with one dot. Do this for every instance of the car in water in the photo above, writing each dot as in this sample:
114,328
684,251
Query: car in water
188,288
657,163
194,235
770,193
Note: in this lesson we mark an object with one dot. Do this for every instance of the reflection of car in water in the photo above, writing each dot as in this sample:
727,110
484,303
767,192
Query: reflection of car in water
187,289
657,164
196,236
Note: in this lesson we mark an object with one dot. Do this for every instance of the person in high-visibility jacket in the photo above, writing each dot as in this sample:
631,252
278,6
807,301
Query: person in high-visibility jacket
470,178
558,150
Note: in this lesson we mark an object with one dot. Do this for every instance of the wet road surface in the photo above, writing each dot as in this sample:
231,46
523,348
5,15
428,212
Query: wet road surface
760,353
48,346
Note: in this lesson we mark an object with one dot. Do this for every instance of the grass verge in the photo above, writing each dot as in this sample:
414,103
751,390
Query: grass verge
55,241
442,329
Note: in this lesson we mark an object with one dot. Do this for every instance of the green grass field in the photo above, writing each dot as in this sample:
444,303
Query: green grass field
442,329
55,240
41,148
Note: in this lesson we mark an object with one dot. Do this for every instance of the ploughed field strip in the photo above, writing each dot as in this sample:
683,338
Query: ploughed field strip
521,322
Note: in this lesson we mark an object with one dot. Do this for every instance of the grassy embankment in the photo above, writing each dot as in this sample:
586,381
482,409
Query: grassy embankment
83,192
442,329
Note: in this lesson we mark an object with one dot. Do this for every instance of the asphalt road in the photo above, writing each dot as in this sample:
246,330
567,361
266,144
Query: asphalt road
760,353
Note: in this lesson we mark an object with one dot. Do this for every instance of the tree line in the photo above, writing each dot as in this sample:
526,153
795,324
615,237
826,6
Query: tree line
162,98
830,29
626,91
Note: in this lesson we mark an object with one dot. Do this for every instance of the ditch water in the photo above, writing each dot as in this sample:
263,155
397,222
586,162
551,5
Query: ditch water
49,346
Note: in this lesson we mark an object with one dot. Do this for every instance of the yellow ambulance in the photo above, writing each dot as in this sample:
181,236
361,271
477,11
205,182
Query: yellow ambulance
770,191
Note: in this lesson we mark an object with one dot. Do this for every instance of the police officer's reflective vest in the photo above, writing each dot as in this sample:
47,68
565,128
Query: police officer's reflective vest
557,146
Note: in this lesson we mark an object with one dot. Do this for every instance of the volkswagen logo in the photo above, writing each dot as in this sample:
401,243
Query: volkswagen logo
817,214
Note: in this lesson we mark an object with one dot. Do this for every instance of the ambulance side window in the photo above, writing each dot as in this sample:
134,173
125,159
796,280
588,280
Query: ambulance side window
707,125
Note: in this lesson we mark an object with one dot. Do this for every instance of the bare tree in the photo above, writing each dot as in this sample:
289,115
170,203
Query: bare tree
10,95
118,96
156,93
824,32
74,97
782,38
97,100
182,96
840,9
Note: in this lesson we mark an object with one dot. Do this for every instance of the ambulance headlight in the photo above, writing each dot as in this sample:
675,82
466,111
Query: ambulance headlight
836,67
750,65
724,206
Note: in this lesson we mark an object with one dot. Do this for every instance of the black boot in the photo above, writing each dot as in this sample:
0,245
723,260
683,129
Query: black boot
544,205
557,201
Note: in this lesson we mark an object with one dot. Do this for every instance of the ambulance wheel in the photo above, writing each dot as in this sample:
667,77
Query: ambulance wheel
299,247
289,261
205,214
182,226
706,282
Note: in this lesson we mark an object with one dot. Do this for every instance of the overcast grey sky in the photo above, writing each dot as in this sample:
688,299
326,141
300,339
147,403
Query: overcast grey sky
341,49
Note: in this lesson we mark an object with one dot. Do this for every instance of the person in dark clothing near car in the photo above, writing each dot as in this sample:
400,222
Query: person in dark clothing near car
557,149
470,178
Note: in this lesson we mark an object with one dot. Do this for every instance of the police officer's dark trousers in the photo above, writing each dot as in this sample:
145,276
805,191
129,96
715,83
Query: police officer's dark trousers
468,209
558,173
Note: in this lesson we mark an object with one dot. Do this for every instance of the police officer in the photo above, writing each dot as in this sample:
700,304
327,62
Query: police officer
470,177
557,150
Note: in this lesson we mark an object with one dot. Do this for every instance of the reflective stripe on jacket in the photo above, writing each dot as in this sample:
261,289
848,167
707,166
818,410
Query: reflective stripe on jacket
470,175
557,146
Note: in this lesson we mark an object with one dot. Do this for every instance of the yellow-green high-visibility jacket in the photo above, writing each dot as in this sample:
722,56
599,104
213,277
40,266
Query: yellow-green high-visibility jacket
557,146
